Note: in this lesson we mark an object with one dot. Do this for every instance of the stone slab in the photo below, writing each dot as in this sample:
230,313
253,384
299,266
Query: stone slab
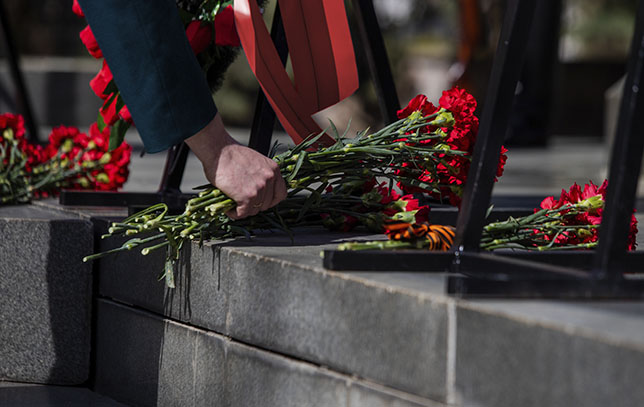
36,395
374,331
506,359
146,360
274,295
45,296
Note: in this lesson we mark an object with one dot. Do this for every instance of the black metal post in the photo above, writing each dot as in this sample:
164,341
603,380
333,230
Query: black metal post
625,165
22,97
264,120
175,165
377,58
497,109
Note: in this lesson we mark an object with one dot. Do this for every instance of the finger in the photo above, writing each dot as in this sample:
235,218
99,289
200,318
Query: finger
243,211
279,191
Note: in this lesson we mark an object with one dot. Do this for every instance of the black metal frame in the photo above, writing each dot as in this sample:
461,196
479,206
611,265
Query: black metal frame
599,274
22,100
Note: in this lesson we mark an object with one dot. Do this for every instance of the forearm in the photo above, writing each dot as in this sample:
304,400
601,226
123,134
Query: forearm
154,67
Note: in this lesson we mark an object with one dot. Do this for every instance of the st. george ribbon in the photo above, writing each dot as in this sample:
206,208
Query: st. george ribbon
322,56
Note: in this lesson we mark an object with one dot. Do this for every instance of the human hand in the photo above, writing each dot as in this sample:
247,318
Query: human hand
252,180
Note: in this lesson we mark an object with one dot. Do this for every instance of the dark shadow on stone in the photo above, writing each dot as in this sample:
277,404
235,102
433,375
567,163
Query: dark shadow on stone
128,276
69,295
180,295
128,355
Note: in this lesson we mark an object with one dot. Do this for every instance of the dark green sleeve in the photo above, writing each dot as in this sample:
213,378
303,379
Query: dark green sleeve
146,48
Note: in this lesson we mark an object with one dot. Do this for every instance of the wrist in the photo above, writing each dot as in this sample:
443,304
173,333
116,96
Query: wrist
209,142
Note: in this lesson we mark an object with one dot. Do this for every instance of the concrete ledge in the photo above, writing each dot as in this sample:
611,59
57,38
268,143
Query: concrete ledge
147,360
397,329
550,354
37,395
273,295
45,296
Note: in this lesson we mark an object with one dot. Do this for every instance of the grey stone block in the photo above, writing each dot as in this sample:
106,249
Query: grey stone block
45,296
146,360
351,325
128,351
257,379
36,395
363,394
507,361
132,278
272,294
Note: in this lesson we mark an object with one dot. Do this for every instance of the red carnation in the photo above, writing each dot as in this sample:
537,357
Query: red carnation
225,31
418,104
77,9
87,36
108,111
592,216
199,35
101,80
125,115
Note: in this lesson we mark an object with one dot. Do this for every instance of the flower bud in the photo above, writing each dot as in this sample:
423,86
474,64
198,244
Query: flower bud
592,203
584,233
8,134
105,158
407,217
83,182
103,178
444,119
67,146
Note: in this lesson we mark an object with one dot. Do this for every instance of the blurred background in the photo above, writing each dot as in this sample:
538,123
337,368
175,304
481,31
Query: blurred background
432,45
425,41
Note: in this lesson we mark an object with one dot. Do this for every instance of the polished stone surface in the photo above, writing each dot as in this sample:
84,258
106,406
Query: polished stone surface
146,360
45,296
38,395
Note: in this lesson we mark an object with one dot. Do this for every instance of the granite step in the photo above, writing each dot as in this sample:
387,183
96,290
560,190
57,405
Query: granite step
397,330
14,394
147,360
45,296
290,330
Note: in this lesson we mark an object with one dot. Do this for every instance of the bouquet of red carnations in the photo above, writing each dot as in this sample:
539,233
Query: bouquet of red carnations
72,160
355,181
570,223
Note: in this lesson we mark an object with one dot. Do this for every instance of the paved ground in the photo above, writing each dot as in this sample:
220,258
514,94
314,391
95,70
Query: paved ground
529,171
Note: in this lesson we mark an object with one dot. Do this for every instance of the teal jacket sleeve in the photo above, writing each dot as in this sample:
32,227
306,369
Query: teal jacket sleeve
161,82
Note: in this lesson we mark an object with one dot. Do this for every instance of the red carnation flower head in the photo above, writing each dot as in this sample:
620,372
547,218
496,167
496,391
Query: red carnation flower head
225,30
199,35
124,113
76,9
87,36
589,199
101,80
418,104
108,111
459,102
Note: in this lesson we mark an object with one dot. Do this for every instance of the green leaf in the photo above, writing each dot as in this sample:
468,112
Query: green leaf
117,134
312,200
111,88
334,130
119,102
489,211
298,165
100,123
